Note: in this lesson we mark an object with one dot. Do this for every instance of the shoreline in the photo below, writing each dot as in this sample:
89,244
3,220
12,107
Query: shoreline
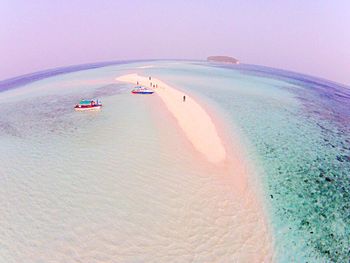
194,121
228,164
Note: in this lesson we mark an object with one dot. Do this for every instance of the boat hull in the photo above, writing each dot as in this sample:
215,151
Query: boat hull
142,92
93,108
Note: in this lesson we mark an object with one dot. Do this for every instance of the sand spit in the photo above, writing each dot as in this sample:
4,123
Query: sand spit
191,117
248,224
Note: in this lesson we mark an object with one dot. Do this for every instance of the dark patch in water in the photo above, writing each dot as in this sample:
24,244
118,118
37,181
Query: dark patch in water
316,93
9,129
109,90
50,114
311,185
42,115
32,77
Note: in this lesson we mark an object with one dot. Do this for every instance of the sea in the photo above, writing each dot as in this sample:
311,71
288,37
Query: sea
124,185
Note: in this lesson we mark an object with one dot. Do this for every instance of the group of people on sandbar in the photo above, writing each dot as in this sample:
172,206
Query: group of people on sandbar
156,86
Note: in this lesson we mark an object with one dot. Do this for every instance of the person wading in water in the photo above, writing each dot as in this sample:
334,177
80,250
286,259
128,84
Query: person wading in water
184,98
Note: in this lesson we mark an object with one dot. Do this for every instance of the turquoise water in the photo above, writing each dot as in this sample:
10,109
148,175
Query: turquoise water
73,178
301,139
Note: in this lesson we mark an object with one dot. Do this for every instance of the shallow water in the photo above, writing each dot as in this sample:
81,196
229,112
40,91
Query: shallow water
124,184
298,130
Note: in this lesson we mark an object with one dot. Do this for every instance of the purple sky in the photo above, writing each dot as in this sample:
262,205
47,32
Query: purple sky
311,37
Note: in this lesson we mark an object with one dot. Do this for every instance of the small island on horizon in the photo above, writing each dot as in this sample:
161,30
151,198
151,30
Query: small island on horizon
223,59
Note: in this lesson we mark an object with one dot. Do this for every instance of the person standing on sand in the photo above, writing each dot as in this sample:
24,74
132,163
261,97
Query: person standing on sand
184,98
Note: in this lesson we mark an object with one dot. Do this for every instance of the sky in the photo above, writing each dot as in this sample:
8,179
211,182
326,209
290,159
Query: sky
311,37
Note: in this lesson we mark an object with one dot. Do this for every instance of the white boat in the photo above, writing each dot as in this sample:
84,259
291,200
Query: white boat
85,105
142,90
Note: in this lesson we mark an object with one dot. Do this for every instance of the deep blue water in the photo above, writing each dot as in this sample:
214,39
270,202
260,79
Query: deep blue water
334,96
19,81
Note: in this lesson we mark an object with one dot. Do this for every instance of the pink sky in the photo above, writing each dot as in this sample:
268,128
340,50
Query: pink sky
311,37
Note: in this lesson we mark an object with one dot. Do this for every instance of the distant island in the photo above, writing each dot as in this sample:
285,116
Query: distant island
223,59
